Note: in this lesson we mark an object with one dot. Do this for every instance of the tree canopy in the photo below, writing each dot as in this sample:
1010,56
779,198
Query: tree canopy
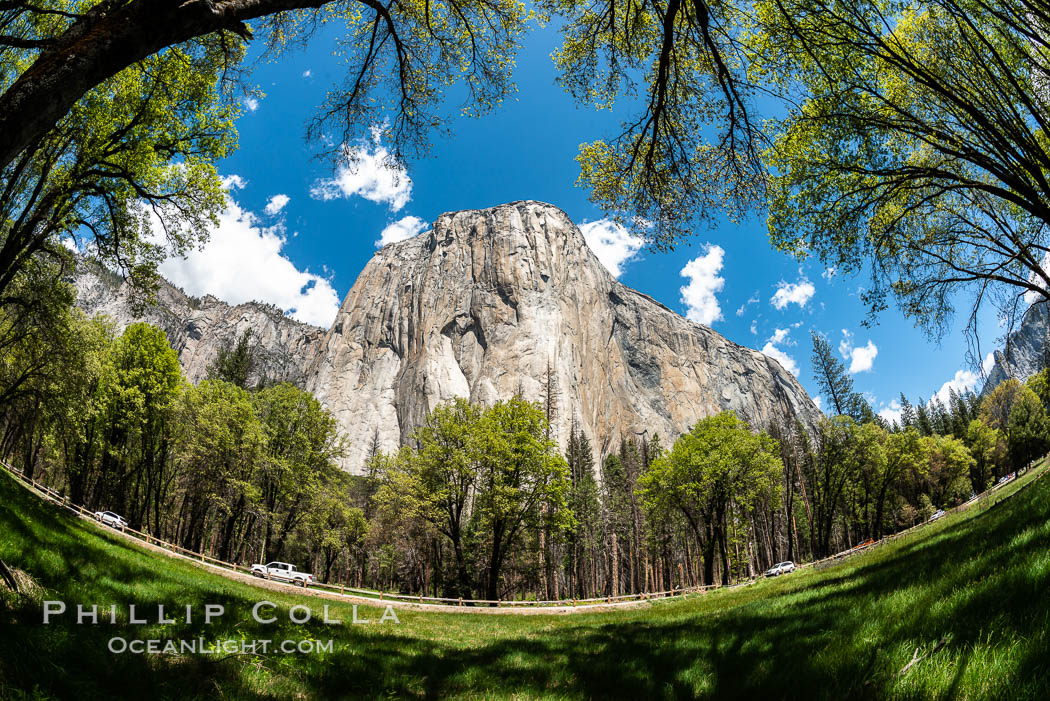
1028,431
113,112
690,147
915,145
128,170
711,475
908,141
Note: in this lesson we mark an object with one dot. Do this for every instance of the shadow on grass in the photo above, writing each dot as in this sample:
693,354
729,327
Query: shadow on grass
979,585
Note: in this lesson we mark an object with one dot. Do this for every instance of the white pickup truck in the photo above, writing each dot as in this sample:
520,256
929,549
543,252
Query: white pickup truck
284,572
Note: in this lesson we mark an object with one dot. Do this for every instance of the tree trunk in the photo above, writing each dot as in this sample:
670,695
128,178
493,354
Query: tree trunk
110,37
8,577
495,565
709,559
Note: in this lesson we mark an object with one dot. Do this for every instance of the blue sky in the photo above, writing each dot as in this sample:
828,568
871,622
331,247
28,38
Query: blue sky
297,232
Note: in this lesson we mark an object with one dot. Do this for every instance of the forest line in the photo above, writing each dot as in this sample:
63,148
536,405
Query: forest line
482,503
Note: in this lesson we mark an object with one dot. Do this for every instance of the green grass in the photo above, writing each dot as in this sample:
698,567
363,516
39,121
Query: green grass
980,580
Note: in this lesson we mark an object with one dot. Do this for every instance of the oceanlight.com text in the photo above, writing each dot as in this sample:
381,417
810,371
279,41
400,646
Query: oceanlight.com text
232,646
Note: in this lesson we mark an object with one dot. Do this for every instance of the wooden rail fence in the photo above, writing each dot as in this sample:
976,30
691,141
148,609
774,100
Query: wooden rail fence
465,605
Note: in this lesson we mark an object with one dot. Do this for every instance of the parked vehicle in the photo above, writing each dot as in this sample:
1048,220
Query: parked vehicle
937,514
780,568
111,519
284,572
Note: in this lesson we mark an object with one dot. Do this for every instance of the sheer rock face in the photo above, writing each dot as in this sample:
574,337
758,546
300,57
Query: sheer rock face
198,328
480,307
485,302
1025,350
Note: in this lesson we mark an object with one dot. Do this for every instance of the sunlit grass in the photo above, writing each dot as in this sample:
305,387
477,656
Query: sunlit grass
977,580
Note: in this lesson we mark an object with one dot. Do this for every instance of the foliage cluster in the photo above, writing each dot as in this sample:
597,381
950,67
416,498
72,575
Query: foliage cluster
214,468
975,579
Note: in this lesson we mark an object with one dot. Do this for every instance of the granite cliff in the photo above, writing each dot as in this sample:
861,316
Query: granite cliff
481,306
198,327
1025,350
485,301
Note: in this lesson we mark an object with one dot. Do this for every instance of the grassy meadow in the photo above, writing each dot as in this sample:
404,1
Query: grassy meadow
967,599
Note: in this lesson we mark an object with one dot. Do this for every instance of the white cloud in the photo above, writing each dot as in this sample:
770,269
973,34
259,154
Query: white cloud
785,360
861,358
989,362
404,228
771,349
612,243
754,327
829,272
251,103
753,299
892,412
233,182
242,261
276,204
819,401
371,172
792,293
699,295
1033,297
964,381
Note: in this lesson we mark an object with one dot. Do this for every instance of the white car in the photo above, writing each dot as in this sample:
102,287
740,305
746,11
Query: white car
780,568
937,514
111,519
283,571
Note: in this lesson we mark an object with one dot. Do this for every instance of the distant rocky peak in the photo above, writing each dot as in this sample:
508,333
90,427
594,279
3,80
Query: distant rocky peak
1025,351
198,328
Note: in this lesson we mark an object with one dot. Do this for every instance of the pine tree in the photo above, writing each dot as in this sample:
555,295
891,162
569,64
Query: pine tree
836,385
958,414
546,534
907,413
939,418
550,397
617,514
923,420
583,538
370,480
633,467
235,362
